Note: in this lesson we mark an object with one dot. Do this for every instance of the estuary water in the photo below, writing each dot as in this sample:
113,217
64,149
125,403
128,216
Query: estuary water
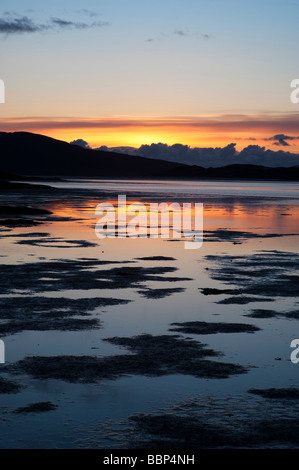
245,273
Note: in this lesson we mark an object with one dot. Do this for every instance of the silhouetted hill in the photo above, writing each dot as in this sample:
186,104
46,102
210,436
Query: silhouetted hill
32,154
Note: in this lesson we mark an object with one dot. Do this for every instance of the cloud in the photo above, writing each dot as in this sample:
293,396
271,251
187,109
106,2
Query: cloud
20,25
76,25
169,35
281,139
62,23
282,142
211,157
24,24
180,32
233,124
88,12
81,143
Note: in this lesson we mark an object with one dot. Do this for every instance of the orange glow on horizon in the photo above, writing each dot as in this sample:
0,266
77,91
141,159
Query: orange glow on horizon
137,137
196,131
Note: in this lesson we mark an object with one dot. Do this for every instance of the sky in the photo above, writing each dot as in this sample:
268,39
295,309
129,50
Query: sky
195,72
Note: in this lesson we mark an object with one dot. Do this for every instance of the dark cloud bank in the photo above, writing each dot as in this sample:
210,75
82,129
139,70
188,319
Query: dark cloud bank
210,157
24,24
81,143
281,139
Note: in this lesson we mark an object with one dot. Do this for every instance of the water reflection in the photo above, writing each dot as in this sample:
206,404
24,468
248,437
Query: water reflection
232,224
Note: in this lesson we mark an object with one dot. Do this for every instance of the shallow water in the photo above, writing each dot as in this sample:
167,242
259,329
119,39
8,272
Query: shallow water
222,188
95,414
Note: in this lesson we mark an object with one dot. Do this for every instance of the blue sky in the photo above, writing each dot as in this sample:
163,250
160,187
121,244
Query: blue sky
151,58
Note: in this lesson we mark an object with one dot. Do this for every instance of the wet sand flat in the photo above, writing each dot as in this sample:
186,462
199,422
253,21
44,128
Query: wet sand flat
108,334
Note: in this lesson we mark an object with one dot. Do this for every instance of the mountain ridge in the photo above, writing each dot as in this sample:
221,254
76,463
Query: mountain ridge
28,154
25,153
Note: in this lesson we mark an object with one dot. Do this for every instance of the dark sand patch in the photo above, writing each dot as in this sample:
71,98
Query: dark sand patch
23,210
152,356
204,328
236,236
216,423
134,276
212,291
243,300
59,242
267,274
175,354
160,293
169,431
36,313
8,386
276,393
293,314
46,324
40,407
19,223
29,235
18,216
70,274
172,431
157,258
262,313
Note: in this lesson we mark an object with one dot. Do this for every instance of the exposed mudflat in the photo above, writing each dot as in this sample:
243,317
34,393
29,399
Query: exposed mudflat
152,356
156,258
40,407
19,222
8,386
243,300
28,235
236,236
264,313
276,393
265,274
18,216
56,242
45,276
160,293
49,313
205,328
213,291
210,422
23,210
